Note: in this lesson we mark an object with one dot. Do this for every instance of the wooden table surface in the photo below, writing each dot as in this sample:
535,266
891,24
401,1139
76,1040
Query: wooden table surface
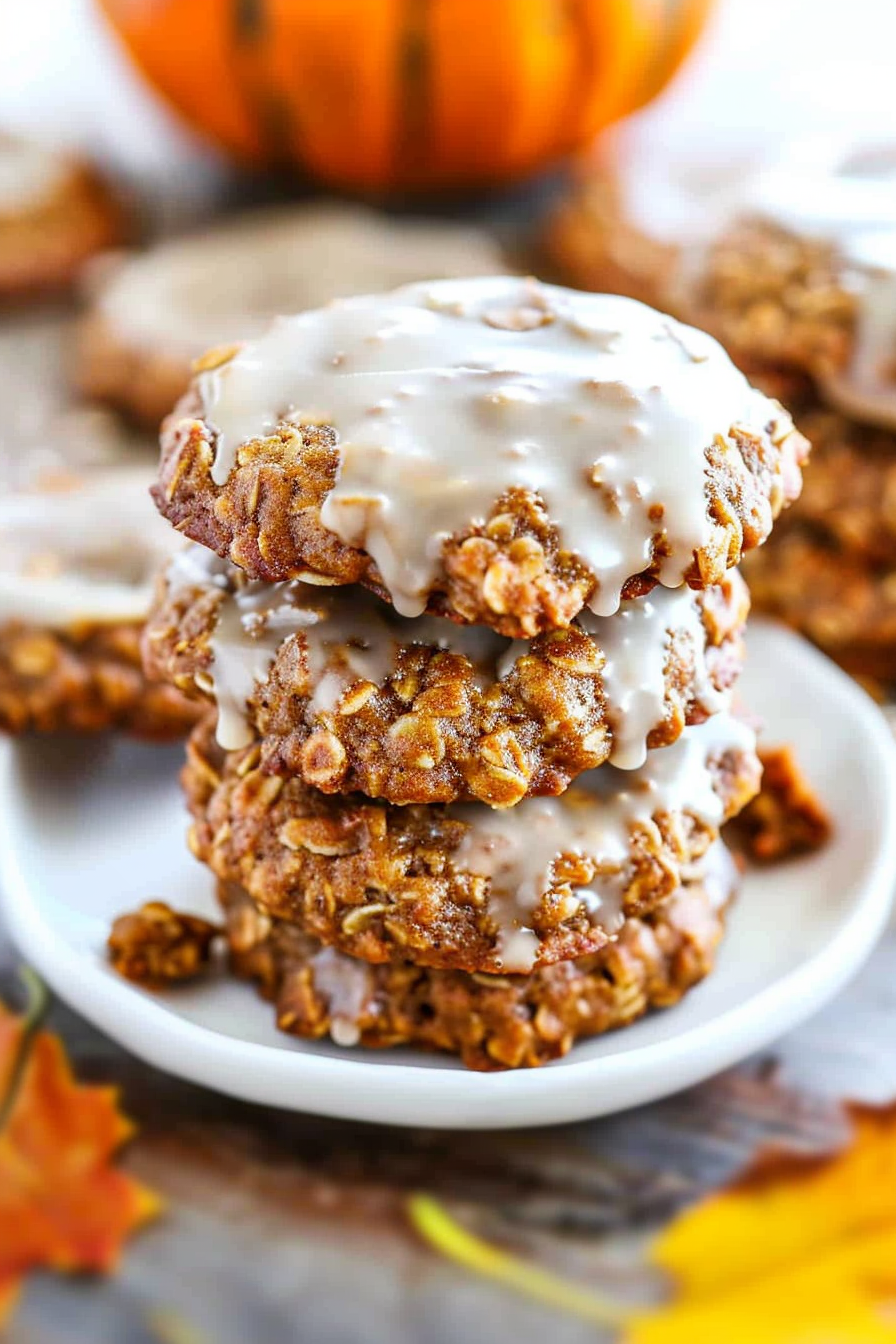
284,1227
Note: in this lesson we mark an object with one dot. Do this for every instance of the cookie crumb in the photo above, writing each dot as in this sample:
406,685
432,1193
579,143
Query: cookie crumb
786,817
157,946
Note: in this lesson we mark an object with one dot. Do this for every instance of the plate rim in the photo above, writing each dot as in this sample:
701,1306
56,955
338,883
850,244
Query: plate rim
391,1094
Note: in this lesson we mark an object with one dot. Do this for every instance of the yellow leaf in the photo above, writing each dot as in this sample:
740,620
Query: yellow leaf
796,1252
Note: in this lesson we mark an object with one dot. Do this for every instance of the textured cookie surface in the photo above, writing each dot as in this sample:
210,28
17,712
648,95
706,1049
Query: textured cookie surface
462,885
78,553
490,1021
350,696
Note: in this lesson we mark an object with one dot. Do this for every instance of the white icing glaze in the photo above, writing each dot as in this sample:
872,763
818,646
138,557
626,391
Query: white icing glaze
255,618
248,633
636,643
29,175
718,873
226,284
517,848
87,550
345,983
601,405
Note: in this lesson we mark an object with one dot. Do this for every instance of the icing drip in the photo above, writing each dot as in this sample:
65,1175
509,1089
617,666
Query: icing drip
87,549
446,395
636,642
248,633
351,636
518,848
718,873
345,983
255,618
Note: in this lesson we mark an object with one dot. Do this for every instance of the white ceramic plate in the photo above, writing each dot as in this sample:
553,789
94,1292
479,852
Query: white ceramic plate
90,829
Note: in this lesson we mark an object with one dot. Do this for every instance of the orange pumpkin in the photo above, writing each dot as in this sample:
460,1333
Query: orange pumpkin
380,95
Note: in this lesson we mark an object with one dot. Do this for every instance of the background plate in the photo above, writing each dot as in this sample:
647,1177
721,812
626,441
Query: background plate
91,828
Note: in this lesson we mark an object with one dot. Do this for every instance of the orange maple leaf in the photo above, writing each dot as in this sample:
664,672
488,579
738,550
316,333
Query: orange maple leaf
63,1205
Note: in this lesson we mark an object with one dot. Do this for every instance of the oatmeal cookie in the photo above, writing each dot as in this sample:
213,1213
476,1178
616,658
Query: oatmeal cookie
791,263
352,697
495,450
87,679
55,214
803,275
463,886
490,1021
841,602
78,556
159,310
849,496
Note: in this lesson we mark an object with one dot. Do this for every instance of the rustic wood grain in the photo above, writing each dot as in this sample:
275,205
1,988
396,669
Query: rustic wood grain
291,1227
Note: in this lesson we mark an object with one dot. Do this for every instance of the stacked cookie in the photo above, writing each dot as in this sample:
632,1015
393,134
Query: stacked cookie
462,592
793,268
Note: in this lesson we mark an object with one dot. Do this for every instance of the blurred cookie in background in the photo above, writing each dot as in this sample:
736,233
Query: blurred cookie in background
630,214
79,549
791,264
156,312
56,213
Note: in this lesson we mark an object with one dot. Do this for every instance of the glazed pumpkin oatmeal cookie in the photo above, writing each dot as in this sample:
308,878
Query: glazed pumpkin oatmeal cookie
790,264
155,313
490,1021
831,572
55,213
456,447
347,695
465,620
77,559
464,886
804,275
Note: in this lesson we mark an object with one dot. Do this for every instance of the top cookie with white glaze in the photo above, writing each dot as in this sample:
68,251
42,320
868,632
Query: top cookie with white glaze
496,450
